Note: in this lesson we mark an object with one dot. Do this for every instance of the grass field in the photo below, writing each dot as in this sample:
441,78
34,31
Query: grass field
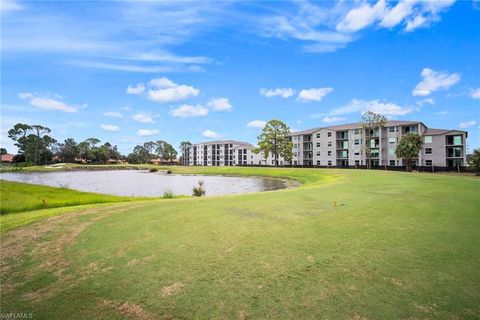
345,245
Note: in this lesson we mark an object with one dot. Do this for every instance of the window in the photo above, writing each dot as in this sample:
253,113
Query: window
345,145
358,131
329,134
357,141
344,154
392,162
357,153
428,162
318,144
318,153
318,135
329,163
427,139
295,145
318,162
295,162
391,129
329,143
391,151
329,153
457,140
357,162
391,140
428,150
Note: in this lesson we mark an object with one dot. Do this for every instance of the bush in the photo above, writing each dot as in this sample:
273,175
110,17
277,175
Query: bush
199,191
169,171
153,170
168,195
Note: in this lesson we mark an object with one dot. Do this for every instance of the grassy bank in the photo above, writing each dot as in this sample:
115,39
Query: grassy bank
345,245
19,197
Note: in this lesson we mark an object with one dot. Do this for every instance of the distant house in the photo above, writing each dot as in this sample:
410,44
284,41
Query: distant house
160,161
6,158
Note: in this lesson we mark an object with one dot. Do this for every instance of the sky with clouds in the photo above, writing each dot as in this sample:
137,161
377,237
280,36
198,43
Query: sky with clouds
130,71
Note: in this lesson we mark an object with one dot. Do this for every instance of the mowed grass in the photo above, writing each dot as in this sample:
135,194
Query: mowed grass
19,197
345,245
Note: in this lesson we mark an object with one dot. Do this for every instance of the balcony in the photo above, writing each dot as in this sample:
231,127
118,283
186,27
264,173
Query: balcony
342,135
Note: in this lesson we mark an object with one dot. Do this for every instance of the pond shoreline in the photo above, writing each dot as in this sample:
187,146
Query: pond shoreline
142,183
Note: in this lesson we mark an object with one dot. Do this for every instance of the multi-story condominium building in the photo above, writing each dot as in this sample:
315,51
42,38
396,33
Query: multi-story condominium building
225,153
347,145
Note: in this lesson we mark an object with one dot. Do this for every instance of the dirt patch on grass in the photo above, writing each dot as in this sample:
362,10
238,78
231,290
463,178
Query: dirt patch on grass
132,262
172,289
128,309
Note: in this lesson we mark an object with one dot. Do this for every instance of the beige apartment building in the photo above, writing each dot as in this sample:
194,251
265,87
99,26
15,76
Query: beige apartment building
346,145
226,153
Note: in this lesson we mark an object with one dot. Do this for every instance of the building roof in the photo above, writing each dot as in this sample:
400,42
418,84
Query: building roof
349,126
432,131
6,158
225,142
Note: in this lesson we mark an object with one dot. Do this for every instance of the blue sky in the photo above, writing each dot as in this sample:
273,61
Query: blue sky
129,72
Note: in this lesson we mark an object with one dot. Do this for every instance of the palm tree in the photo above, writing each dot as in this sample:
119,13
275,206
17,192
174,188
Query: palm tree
408,148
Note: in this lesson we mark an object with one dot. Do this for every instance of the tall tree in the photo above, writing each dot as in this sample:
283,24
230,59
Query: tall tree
408,148
184,145
69,150
39,131
19,134
474,161
275,139
371,124
3,151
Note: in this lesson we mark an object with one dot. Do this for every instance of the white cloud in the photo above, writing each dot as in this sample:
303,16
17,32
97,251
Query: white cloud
475,94
10,5
278,92
162,83
189,111
113,114
143,117
164,90
423,102
384,108
333,119
467,124
147,132
313,94
396,14
47,103
109,127
361,17
257,124
219,104
411,13
138,89
210,134
433,81
415,23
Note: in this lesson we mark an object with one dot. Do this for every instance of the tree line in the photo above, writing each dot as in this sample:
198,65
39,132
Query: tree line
36,147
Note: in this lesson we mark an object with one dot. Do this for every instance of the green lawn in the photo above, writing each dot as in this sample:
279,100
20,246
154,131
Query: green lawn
346,244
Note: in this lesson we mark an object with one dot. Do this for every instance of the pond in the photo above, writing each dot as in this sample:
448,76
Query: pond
142,183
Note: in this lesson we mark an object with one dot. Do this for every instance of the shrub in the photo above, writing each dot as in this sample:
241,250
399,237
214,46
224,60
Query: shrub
199,191
169,171
153,170
168,194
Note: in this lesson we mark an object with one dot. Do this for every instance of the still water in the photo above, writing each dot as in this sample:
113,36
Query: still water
144,183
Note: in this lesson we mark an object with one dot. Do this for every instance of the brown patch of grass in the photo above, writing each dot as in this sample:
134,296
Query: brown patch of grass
128,309
132,262
172,289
